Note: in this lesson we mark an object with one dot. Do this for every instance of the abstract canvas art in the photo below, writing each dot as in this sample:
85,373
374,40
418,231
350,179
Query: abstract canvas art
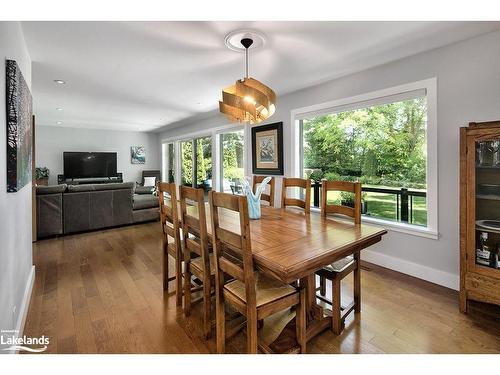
138,154
267,149
19,128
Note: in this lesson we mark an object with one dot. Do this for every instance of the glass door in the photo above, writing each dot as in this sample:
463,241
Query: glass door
187,163
168,162
203,164
196,163
484,195
232,162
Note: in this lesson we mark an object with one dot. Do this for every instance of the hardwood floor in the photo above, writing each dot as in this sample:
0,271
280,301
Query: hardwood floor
101,292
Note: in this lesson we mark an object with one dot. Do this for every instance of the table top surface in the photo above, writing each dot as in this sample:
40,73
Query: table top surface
289,244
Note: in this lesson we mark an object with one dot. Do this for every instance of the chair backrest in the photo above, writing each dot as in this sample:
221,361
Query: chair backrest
257,180
300,183
194,224
233,251
350,187
169,213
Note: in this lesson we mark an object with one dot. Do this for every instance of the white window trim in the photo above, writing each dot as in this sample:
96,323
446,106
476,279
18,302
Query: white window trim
376,97
216,148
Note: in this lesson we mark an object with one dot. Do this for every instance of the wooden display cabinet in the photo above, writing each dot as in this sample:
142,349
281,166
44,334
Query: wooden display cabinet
479,212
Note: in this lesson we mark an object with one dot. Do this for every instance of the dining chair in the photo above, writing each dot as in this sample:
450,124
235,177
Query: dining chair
170,227
251,293
288,182
257,180
194,229
338,270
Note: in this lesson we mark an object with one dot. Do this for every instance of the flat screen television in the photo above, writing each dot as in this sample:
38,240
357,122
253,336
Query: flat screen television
89,164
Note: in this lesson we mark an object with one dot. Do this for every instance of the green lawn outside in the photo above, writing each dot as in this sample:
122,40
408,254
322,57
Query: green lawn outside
383,206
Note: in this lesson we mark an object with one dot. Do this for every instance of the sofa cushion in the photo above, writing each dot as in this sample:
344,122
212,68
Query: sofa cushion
115,186
144,190
142,201
80,188
100,187
53,189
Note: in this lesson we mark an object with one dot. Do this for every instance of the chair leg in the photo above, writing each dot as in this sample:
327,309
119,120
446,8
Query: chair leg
336,317
178,282
322,285
300,322
207,321
187,292
220,321
251,335
165,266
357,284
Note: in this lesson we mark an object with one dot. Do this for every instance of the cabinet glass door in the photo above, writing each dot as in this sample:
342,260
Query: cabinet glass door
487,204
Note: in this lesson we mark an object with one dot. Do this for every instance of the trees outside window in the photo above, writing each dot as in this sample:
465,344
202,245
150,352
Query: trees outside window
382,146
196,163
232,161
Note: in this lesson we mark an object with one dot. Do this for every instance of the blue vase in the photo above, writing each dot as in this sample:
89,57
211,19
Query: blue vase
254,199
253,206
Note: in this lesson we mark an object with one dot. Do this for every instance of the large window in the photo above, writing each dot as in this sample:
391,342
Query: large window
383,144
232,162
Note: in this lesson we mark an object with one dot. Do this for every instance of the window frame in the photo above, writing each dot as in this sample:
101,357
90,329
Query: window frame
384,96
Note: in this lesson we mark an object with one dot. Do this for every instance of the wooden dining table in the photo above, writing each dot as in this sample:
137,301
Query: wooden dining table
291,245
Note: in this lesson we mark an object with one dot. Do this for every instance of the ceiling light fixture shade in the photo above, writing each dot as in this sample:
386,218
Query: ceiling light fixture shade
248,100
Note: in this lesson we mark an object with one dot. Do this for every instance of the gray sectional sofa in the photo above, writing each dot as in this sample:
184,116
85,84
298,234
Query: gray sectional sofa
64,209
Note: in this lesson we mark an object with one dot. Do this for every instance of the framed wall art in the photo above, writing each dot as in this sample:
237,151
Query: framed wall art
267,149
138,154
19,128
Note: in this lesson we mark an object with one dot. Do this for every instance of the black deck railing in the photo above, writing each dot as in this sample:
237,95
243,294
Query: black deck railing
404,199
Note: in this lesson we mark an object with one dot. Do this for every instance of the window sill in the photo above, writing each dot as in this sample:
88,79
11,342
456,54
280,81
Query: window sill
413,230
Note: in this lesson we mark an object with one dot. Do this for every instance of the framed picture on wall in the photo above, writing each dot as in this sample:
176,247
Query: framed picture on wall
267,149
19,128
138,154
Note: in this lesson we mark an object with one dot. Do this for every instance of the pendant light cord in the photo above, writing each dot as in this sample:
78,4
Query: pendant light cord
246,42
246,62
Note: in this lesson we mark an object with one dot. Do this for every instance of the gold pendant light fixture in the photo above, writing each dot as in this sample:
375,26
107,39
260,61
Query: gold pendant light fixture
248,100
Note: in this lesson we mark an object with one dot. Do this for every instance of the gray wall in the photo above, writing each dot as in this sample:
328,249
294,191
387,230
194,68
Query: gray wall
468,75
15,208
52,141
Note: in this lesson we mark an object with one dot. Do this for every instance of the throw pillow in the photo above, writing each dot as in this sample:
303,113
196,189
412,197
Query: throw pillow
149,181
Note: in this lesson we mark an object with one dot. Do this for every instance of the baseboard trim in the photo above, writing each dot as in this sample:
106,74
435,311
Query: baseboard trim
446,279
25,304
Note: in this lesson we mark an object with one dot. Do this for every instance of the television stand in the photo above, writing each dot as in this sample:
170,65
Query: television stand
96,180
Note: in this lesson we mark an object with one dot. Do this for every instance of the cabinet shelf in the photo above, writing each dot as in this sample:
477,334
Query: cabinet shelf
491,197
487,267
497,168
481,229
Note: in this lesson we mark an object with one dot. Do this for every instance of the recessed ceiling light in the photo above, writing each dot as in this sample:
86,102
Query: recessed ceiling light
59,109
59,122
60,81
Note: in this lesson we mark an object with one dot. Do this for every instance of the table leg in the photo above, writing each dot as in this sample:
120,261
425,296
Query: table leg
316,321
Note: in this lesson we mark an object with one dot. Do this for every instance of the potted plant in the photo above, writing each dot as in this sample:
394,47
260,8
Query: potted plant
347,199
42,176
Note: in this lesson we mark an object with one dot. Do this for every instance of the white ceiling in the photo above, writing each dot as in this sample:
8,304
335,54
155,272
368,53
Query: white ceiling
144,76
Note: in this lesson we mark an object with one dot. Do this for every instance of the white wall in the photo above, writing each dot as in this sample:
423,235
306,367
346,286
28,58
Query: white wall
468,76
52,141
16,270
